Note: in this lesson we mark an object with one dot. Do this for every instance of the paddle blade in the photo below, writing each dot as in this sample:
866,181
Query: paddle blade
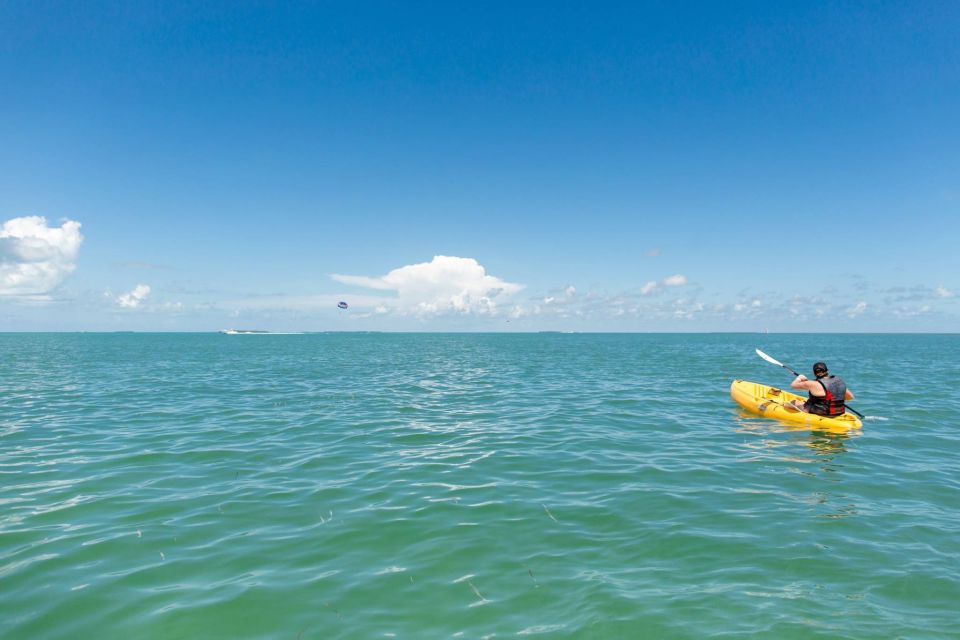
769,359
776,362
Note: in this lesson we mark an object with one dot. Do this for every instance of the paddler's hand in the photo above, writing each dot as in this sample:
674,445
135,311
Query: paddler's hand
801,378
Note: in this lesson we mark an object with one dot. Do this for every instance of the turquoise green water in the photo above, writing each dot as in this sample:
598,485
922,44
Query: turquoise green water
430,486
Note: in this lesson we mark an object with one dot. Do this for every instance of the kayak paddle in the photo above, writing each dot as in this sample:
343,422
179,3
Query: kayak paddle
780,364
776,362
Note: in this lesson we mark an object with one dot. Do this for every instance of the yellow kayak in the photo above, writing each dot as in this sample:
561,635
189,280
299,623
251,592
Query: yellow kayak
770,402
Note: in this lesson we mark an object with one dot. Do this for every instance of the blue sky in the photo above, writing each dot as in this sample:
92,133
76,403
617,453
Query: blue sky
480,166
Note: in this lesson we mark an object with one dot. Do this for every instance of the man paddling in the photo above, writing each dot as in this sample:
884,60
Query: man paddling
827,394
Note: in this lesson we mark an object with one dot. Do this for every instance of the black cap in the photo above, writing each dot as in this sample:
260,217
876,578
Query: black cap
819,369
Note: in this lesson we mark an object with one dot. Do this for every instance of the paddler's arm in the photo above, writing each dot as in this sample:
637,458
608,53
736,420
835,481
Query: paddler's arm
803,383
848,395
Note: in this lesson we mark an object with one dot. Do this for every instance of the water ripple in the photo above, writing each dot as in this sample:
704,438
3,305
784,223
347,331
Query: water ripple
344,486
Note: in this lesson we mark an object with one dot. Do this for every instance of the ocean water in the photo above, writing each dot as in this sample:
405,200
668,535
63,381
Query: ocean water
476,486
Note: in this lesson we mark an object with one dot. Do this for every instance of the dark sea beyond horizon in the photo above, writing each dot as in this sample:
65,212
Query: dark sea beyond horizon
378,485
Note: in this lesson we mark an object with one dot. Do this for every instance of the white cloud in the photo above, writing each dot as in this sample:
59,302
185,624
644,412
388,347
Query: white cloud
917,293
652,253
911,312
446,284
653,286
857,309
35,258
648,288
133,299
687,309
568,294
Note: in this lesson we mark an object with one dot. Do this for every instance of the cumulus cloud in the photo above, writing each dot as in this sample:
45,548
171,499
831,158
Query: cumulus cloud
133,299
561,297
446,284
753,307
856,309
35,257
916,293
676,280
648,288
687,309
912,312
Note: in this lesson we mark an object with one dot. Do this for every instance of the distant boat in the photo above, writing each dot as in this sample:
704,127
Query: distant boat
233,332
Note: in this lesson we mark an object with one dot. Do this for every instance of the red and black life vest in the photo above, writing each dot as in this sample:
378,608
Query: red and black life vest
831,404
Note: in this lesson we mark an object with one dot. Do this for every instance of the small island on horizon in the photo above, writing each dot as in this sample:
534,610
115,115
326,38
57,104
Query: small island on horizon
239,331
